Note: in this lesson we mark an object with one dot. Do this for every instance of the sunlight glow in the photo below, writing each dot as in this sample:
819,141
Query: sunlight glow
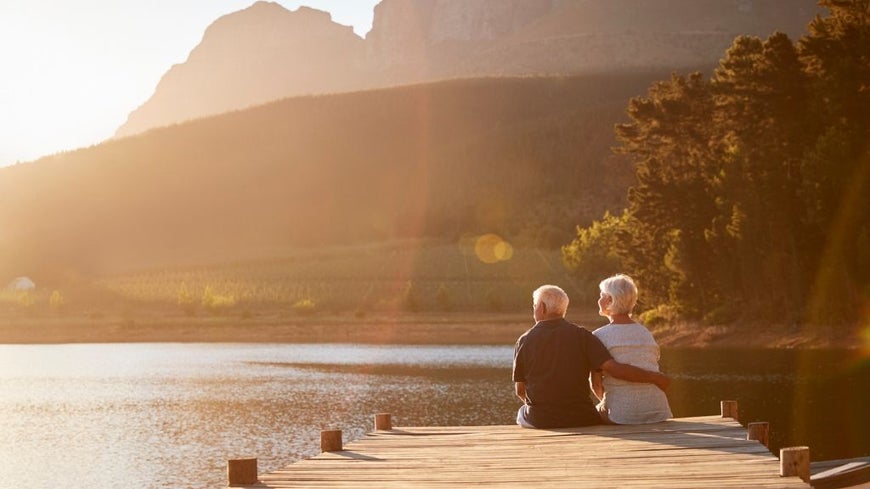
491,248
73,71
840,230
865,341
846,220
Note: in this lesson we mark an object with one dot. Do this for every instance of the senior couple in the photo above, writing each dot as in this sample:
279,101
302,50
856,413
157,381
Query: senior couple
556,362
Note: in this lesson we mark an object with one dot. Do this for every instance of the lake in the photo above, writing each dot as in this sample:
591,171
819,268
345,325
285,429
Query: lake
170,415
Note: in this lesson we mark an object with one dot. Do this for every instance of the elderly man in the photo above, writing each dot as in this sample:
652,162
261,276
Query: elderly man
552,362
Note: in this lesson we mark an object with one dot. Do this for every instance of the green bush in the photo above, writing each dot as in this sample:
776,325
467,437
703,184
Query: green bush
25,299
723,314
215,302
658,316
56,301
305,307
185,300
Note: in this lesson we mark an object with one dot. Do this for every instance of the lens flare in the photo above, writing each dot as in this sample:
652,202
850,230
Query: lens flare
491,248
865,341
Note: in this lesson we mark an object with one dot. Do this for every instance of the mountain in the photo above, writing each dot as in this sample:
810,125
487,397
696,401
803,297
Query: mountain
251,57
267,52
528,158
421,39
581,36
418,40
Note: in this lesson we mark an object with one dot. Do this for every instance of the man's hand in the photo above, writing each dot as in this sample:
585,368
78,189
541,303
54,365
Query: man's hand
635,374
662,381
596,382
520,389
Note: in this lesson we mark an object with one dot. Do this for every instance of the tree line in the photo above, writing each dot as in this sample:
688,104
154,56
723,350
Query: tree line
750,200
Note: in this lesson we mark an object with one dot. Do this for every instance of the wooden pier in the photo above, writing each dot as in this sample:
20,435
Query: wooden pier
707,451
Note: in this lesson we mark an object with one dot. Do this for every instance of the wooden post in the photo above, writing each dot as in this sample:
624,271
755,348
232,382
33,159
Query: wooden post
241,472
759,431
795,461
729,409
330,441
383,422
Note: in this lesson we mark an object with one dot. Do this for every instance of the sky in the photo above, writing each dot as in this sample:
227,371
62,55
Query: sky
72,70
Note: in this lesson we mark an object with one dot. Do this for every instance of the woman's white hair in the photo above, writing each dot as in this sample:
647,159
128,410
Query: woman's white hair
554,297
622,290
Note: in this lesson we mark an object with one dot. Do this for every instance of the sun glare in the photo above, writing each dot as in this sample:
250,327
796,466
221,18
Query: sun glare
491,248
73,74
865,341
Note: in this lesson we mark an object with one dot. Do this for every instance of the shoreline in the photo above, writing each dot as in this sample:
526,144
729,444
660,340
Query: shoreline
406,329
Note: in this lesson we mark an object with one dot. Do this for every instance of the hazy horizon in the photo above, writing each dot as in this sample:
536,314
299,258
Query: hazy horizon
75,70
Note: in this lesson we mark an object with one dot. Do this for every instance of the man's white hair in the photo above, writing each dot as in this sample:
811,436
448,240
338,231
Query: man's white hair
554,297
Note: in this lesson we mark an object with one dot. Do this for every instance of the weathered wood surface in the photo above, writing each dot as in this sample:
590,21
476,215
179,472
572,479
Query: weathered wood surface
835,474
708,452
823,465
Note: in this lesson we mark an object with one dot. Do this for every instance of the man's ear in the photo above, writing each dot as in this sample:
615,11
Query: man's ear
543,308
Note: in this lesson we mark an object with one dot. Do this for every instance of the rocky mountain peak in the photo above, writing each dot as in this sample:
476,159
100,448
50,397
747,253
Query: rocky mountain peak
262,53
266,52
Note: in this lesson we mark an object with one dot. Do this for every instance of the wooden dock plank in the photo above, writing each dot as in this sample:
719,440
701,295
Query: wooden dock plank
707,451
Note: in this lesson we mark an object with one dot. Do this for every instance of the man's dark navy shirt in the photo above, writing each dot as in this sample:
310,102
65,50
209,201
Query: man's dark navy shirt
554,359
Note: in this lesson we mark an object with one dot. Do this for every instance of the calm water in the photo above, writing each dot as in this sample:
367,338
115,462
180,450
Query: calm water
169,416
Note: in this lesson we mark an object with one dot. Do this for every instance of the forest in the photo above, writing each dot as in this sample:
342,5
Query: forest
750,202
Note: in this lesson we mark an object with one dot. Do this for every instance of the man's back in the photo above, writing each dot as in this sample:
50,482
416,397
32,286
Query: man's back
553,359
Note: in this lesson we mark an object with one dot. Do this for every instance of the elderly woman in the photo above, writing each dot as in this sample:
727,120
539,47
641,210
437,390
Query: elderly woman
631,343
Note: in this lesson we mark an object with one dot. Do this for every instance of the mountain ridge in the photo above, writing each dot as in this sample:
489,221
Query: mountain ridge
414,41
239,54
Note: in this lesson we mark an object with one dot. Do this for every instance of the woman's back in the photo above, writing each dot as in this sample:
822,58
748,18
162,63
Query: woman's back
628,402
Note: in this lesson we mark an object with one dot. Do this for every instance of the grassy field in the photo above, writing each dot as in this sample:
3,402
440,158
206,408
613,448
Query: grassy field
399,292
410,276
485,275
441,328
477,291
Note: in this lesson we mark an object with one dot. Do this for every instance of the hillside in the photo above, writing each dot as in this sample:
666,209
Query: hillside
527,158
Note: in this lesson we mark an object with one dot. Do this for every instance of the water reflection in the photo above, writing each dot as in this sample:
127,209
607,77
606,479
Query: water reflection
815,398
166,416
